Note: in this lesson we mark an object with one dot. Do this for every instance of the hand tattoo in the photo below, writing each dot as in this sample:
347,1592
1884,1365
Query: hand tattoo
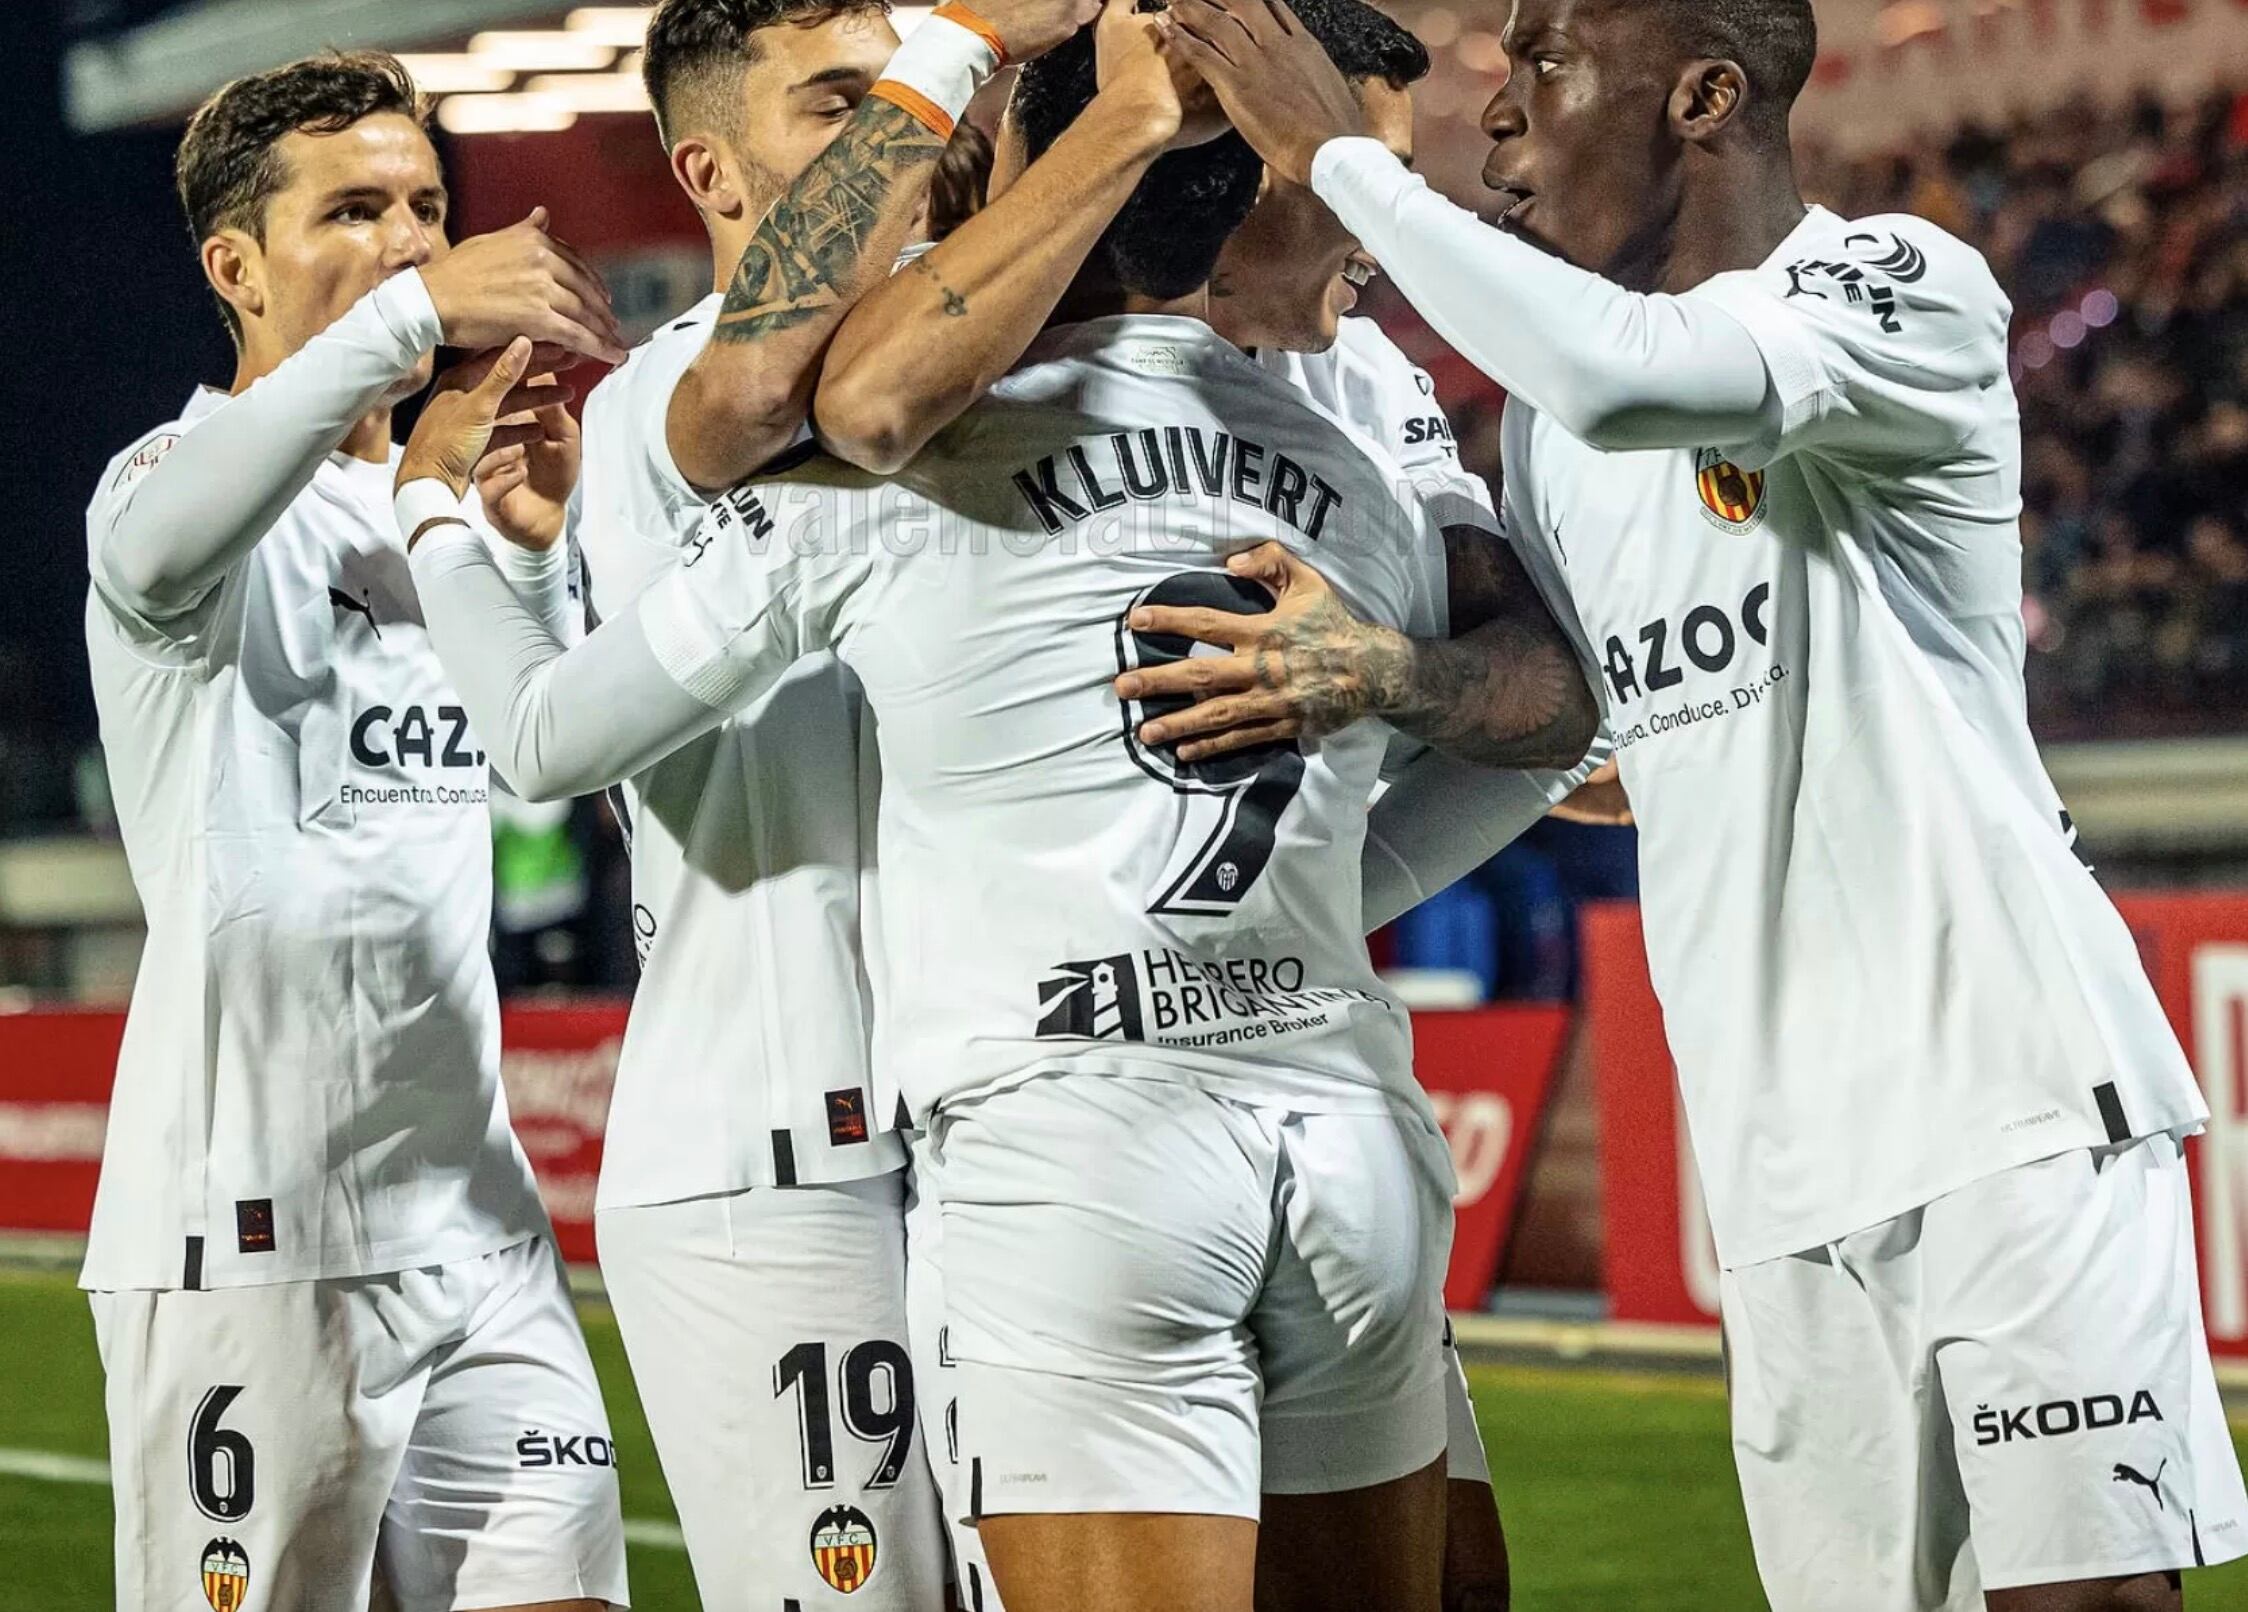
807,256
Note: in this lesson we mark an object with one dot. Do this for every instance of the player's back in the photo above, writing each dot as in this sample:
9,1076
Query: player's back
1055,893
308,1085
746,1059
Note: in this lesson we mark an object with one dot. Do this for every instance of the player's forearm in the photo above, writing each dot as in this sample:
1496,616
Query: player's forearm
1445,817
195,516
833,235
922,347
1508,693
1617,369
556,722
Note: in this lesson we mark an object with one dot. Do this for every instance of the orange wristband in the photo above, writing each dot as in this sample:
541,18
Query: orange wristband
954,11
915,105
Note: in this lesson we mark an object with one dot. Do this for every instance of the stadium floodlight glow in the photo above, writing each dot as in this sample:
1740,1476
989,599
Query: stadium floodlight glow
1481,52
542,50
455,74
505,114
592,92
621,26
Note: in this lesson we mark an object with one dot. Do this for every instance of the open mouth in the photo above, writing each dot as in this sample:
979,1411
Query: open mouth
1513,200
1360,270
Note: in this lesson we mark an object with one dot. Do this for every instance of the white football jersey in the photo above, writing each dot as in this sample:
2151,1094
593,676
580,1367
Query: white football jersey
1884,972
309,1082
745,1060
1055,894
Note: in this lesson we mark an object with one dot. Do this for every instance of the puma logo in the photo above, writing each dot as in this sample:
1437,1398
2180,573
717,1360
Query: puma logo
358,607
2130,1474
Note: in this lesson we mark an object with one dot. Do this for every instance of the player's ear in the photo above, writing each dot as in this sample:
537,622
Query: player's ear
235,266
706,176
1707,96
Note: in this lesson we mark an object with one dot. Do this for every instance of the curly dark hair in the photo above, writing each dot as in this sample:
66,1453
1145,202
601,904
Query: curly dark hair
698,48
229,165
1165,239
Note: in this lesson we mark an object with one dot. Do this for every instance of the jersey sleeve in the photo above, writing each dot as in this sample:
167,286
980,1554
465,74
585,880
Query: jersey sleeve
697,645
1879,349
161,540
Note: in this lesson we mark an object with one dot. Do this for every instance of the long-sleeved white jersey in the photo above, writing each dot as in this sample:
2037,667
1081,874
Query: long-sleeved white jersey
1784,505
746,1059
1054,893
308,1085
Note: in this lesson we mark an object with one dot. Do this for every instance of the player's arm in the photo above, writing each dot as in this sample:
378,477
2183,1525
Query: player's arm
925,344
559,721
182,526
1442,818
834,235
1506,689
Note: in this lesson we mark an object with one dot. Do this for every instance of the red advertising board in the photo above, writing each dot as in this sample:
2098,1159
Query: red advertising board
1489,1073
1660,1265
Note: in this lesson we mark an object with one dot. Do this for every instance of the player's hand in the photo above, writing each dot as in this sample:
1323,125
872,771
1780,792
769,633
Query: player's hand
521,281
1304,669
526,486
1141,71
1273,78
1033,27
477,408
1599,799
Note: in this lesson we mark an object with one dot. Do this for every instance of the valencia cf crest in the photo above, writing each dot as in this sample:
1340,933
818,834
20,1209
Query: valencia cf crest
1732,498
226,1575
843,1547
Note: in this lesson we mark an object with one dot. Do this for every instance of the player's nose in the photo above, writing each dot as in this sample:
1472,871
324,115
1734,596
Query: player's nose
413,243
1503,119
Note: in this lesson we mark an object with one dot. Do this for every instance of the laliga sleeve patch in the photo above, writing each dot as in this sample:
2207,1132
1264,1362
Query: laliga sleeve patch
843,1548
145,458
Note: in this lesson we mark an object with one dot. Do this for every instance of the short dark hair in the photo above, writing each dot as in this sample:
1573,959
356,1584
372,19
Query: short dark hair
698,48
229,165
1775,42
1165,239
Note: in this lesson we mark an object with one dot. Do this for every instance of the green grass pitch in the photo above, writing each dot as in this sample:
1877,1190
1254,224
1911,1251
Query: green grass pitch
1617,1489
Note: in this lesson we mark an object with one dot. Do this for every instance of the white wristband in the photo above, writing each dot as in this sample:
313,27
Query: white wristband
936,73
422,500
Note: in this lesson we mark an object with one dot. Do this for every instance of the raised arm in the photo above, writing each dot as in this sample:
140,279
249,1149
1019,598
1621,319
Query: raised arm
929,341
1618,369
171,535
834,235
701,642
1504,690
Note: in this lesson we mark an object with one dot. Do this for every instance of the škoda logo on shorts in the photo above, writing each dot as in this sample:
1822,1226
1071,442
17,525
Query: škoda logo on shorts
843,1547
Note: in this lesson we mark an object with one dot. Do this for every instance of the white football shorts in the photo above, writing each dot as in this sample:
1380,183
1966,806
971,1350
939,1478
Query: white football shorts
939,1380
1465,1460
2007,1386
276,1446
1162,1300
766,1330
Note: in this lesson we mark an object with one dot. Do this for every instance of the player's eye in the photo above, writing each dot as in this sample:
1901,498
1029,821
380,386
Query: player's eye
430,213
832,110
354,213
1542,66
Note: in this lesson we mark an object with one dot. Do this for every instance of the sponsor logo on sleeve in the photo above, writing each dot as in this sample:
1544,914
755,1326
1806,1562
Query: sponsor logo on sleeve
843,1548
538,1449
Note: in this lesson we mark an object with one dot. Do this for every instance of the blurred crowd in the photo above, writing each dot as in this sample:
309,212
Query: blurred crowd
2122,236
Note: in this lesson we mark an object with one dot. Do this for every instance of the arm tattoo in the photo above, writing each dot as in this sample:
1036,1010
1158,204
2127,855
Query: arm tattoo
807,256
1505,690
955,305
